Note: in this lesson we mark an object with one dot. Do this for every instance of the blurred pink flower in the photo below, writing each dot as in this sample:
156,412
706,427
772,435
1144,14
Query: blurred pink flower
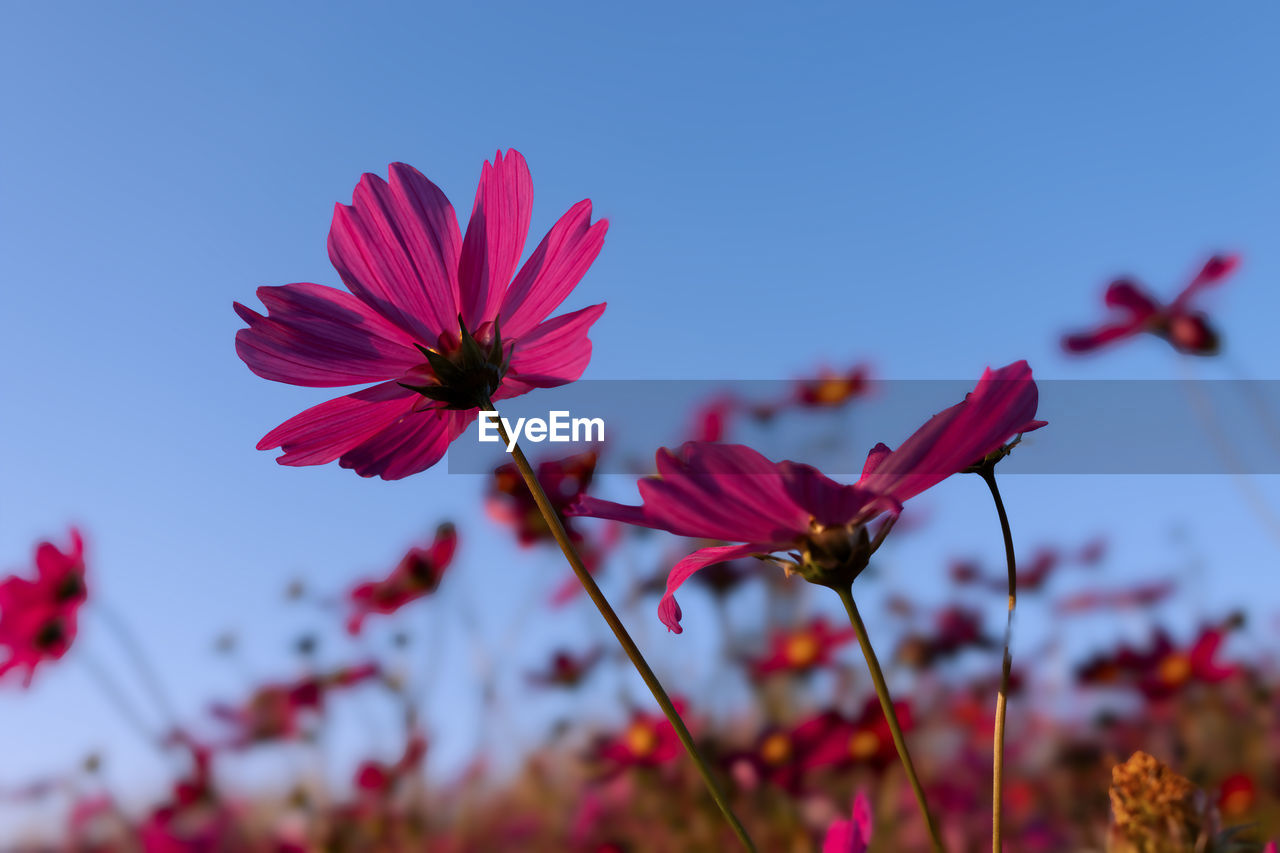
416,575
852,835
415,285
38,618
732,493
1137,311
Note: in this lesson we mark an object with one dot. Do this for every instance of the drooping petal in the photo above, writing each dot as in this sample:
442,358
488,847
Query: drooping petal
668,609
1001,406
396,247
553,270
596,508
554,353
495,236
324,432
321,337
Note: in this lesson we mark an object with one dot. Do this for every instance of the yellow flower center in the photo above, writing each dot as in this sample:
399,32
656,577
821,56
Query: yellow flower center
641,739
1174,669
802,650
864,744
776,748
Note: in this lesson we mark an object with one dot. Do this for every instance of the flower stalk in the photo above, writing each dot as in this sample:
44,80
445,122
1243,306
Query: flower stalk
620,632
988,474
891,716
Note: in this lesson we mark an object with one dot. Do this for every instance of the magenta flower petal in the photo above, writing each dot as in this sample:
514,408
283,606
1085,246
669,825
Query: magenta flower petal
412,278
323,433
554,353
668,609
1127,295
1002,406
553,270
1215,270
321,337
829,502
1087,341
853,835
396,248
409,445
495,236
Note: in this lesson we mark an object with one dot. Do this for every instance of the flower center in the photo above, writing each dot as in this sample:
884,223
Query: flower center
864,744
50,635
641,739
462,370
1174,669
776,748
802,650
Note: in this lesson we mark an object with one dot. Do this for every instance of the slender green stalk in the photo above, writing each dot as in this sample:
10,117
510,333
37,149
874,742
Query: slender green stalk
886,705
138,657
1002,696
620,632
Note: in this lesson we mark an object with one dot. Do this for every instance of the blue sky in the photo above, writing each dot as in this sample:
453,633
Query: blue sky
932,188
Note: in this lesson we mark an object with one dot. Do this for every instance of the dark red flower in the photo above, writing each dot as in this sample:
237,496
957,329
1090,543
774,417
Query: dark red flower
648,740
278,711
567,669
957,629
38,617
416,575
1141,595
802,649
842,741
1136,312
564,480
1163,669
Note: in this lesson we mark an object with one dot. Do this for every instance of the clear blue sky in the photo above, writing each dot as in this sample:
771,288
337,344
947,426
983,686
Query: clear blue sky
933,187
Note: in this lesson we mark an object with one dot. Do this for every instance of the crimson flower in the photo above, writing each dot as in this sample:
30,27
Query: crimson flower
511,502
38,618
1136,312
1142,595
956,630
852,835
1163,669
732,493
802,649
567,669
435,318
379,780
416,575
649,740
277,711
842,741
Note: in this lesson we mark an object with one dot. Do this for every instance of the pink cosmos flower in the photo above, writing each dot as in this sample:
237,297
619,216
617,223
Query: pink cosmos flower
418,574
731,493
436,319
38,618
853,835
1136,312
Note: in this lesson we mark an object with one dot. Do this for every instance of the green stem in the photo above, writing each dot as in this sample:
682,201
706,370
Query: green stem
1002,696
620,632
886,705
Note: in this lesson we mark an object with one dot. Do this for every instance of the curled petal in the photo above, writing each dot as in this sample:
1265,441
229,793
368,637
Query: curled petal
668,609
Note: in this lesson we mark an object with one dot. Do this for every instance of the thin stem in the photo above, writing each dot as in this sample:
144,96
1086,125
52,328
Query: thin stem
620,632
137,656
1002,696
117,700
891,716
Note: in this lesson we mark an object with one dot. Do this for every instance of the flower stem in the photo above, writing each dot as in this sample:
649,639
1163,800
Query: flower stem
620,632
1002,696
891,716
138,657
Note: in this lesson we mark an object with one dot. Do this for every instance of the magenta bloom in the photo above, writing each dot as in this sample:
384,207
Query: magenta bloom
853,835
422,297
1136,312
418,574
732,493
38,618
